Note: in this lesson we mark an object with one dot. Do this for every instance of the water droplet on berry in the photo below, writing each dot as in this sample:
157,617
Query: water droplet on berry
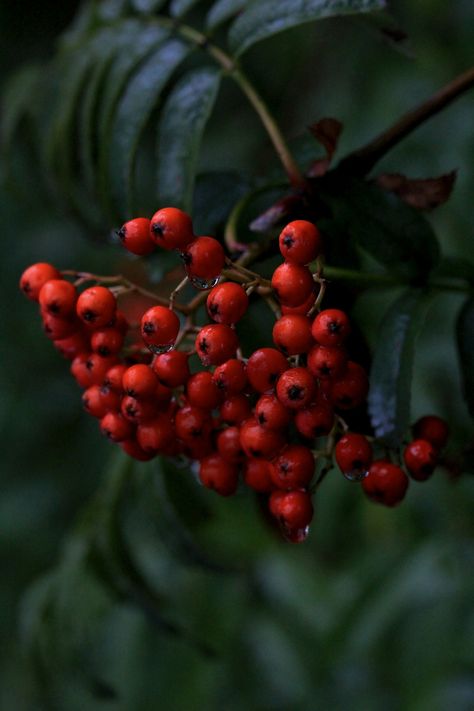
203,284
296,535
158,350
356,474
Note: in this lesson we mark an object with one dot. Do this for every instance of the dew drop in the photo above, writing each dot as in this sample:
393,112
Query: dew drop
356,474
158,350
295,535
203,284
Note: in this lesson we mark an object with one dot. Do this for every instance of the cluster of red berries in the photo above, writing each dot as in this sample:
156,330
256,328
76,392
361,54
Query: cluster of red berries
260,417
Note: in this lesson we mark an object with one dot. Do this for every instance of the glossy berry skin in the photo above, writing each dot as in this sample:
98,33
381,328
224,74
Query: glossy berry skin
264,367
259,442
159,328
433,429
353,454
228,445
231,376
192,423
300,242
97,401
327,361
293,284
114,376
107,341
203,260
293,509
139,381
58,297
235,409
331,327
90,368
385,483
296,388
315,420
201,391
154,435
172,368
216,343
133,449
114,426
35,277
71,346
293,468
135,236
57,327
218,474
96,306
227,303
350,390
420,458
292,334
302,309
257,475
271,414
171,228
137,411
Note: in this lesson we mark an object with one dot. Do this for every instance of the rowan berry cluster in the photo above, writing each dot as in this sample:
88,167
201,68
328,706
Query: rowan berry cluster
272,418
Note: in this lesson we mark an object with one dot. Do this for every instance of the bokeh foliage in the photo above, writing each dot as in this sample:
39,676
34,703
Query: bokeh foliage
161,596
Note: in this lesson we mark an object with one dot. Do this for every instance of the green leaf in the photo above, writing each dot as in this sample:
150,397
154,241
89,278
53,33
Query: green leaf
181,7
465,340
223,10
134,110
455,268
394,233
147,6
264,18
215,195
182,124
391,372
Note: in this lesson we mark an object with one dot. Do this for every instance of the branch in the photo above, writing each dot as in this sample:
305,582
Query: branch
363,160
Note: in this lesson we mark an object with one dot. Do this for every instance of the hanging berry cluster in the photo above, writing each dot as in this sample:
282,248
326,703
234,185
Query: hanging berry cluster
273,417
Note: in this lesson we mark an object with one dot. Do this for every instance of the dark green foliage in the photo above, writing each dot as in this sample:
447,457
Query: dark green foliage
465,339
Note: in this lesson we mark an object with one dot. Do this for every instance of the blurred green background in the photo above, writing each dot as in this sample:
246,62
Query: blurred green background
375,609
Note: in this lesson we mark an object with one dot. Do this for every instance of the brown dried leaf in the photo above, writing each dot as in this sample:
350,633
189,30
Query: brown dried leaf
422,194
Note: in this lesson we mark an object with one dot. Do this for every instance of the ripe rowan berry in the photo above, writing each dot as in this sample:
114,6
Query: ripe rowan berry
139,381
114,426
114,376
228,445
133,449
259,442
293,468
292,283
172,368
137,411
119,321
327,361
159,328
96,306
230,377
71,346
302,309
218,474
107,341
58,297
171,228
98,400
204,260
432,428
154,435
293,509
420,458
330,327
192,423
385,483
201,391
296,388
235,409
271,414
135,236
91,368
257,475
35,277
315,420
227,303
264,367
353,455
199,448
216,343
350,390
300,242
292,334
57,328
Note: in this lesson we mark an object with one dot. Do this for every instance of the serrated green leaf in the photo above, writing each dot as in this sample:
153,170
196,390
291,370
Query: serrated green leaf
215,195
264,18
178,8
182,125
222,11
394,233
134,109
391,371
465,341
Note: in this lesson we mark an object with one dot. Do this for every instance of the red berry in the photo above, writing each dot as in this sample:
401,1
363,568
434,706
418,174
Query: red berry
293,468
98,400
271,414
292,283
135,236
159,328
292,334
71,346
327,361
198,448
107,341
260,442
171,228
218,474
316,420
353,455
296,388
293,509
154,435
235,409
302,309
264,368
257,475
231,376
420,458
58,297
113,377
172,368
228,445
56,327
96,306
350,390
139,381
201,391
35,277
137,411
204,260
90,368
330,327
385,483
227,303
116,427
216,343
300,242
192,423
432,428
133,449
